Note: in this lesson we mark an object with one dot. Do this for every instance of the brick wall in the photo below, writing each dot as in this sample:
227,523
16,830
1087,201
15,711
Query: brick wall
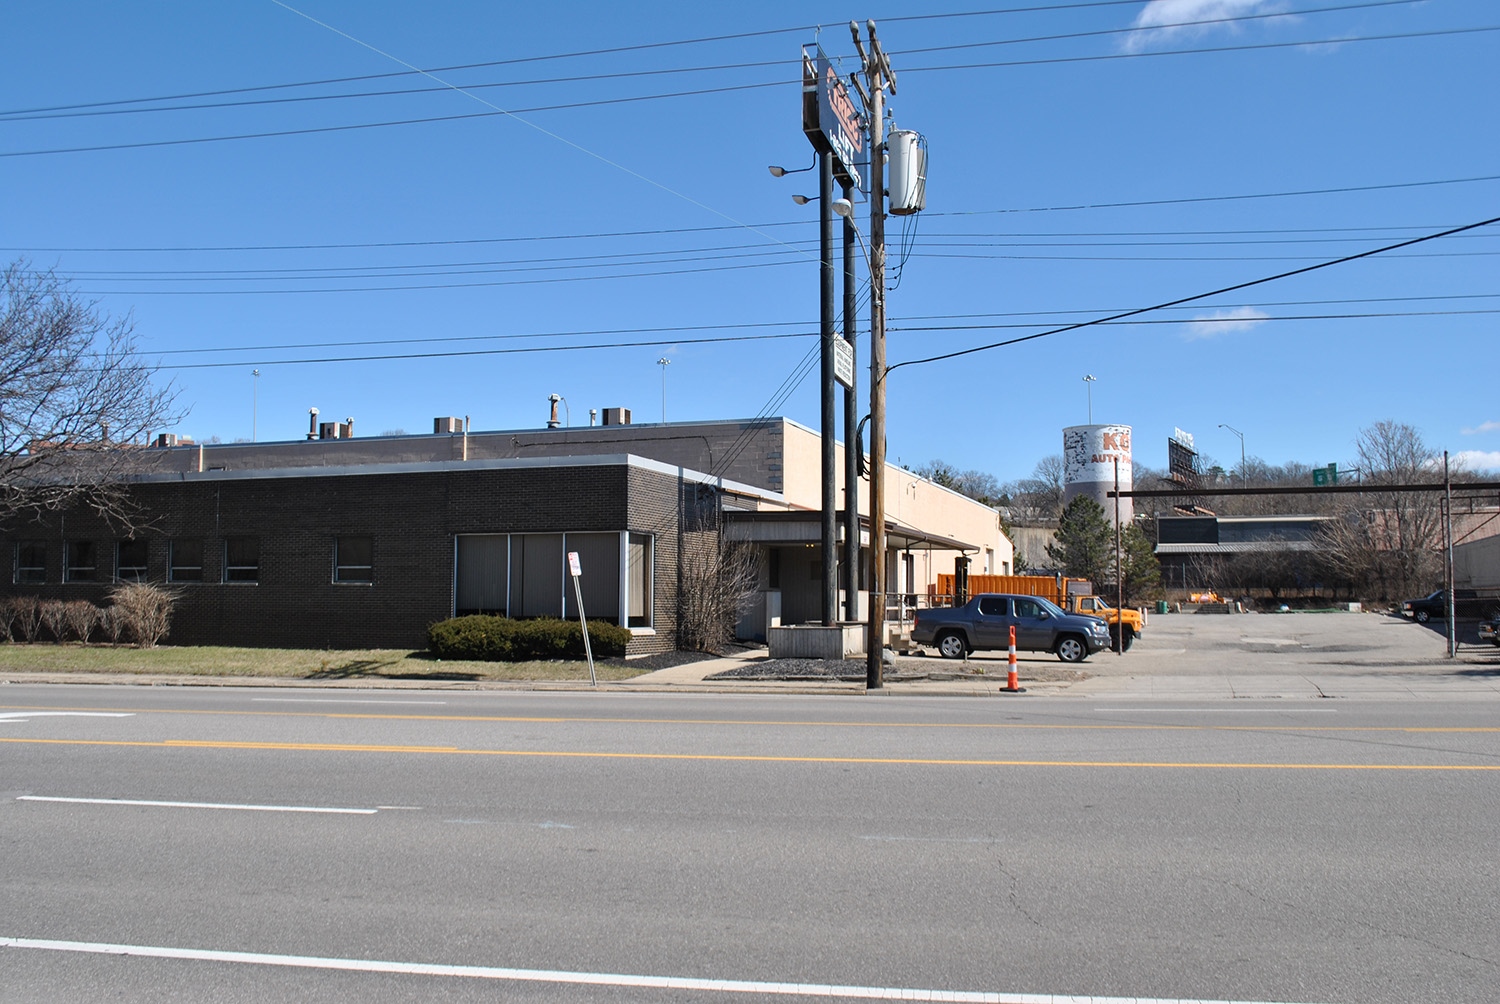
411,517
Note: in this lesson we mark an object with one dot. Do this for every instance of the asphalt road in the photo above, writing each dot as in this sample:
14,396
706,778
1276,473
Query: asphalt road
599,847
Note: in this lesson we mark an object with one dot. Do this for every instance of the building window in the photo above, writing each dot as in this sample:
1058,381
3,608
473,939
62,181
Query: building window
80,565
242,559
31,562
353,559
480,581
185,561
536,575
638,582
130,561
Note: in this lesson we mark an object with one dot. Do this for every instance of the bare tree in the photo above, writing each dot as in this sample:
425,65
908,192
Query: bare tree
1040,497
718,585
74,395
1387,542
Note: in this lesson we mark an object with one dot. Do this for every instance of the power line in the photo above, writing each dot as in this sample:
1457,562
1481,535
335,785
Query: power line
1248,47
222,92
1196,296
108,108
763,336
492,352
1134,29
661,231
516,113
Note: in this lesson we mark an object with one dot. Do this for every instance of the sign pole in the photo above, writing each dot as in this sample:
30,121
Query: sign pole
576,568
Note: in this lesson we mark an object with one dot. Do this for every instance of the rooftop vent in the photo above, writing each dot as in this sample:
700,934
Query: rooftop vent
616,416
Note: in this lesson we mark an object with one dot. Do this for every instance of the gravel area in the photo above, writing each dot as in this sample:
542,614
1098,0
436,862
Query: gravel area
662,660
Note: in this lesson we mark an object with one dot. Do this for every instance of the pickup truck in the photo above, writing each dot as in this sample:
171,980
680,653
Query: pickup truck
984,623
1096,606
1466,603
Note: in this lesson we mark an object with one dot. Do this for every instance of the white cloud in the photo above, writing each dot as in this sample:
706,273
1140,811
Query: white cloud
1224,322
1478,460
1482,427
1169,19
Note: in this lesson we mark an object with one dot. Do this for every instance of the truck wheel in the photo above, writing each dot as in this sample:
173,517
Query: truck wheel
951,645
1423,616
1128,640
1072,649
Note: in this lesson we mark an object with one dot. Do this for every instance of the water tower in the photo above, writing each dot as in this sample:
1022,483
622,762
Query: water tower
1089,455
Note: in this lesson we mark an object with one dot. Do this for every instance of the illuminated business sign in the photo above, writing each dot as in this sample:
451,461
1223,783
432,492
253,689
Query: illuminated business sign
835,125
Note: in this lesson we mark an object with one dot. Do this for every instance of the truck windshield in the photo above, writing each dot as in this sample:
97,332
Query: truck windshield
1050,607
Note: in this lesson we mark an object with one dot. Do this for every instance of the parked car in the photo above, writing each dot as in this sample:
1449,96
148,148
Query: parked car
984,623
1490,630
1466,603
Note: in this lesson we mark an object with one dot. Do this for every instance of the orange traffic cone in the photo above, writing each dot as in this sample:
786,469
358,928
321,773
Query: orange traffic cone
1012,679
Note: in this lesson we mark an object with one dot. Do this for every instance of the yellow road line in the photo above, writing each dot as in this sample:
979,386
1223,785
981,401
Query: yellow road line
737,757
567,720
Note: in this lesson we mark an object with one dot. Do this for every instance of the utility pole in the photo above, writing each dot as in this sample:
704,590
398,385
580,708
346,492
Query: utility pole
1448,554
851,423
1119,572
878,77
827,334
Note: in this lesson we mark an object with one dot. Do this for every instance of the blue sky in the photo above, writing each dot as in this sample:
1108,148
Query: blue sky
655,221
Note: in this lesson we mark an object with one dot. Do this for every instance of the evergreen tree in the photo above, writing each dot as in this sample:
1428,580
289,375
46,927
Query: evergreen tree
1085,541
1142,569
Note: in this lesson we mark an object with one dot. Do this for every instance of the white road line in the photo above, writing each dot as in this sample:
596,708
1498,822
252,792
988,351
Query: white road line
1236,711
196,805
333,700
592,979
21,716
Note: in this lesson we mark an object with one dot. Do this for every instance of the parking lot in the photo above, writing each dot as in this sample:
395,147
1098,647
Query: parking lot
1264,655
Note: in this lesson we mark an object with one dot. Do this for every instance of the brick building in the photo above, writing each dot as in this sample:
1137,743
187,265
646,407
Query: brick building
342,542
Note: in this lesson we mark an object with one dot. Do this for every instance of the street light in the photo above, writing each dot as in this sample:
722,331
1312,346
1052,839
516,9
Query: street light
1242,446
778,171
1088,381
803,200
664,362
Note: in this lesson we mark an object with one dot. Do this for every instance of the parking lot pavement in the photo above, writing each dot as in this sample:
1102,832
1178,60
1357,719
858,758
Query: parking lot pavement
1291,655
1188,657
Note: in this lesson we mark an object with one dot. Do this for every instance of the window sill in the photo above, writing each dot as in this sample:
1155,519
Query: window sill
642,632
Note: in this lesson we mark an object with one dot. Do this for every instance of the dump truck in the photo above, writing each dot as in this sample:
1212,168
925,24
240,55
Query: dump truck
1073,595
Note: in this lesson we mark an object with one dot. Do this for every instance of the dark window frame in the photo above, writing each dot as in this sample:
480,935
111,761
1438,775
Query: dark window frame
140,571
74,567
237,570
38,572
342,570
179,572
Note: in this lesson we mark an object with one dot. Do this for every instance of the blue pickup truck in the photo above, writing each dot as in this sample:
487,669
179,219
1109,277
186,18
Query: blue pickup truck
985,622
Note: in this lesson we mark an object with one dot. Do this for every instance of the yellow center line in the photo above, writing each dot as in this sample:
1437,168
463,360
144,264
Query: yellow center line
568,720
741,757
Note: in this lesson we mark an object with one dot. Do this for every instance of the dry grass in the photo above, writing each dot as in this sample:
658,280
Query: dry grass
289,664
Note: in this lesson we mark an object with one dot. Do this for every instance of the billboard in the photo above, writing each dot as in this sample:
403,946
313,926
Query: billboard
835,123
1182,462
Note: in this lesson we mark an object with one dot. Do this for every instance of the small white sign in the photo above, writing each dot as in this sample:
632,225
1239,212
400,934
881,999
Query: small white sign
574,565
843,362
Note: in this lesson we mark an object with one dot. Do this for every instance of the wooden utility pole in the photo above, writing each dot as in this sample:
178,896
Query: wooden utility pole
878,78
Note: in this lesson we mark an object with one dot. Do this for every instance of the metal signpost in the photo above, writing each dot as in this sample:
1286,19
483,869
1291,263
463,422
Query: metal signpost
576,568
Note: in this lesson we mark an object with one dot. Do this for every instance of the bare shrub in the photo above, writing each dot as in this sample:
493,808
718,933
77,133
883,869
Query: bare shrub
145,611
52,614
80,617
111,623
7,618
717,586
25,616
